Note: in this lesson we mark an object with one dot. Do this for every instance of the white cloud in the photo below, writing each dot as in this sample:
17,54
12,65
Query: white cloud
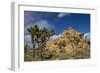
25,29
87,36
41,24
27,38
44,24
55,37
60,15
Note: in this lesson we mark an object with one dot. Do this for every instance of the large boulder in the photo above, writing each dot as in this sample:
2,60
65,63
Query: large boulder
72,43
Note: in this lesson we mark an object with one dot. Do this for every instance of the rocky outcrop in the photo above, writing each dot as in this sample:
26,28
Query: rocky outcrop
71,43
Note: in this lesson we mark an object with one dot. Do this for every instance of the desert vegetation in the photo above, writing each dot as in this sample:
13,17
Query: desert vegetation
70,45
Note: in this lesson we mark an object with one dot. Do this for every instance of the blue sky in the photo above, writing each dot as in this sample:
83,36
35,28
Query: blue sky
57,21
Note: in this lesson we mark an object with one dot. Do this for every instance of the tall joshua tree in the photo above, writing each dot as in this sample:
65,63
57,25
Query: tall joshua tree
39,37
33,31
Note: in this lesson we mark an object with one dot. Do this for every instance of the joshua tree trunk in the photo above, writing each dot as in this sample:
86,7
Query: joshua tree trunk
34,46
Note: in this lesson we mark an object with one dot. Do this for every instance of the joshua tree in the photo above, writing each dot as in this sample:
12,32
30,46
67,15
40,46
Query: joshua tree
33,31
39,37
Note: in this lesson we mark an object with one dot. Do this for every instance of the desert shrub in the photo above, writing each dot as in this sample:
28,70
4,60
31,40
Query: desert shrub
28,56
46,55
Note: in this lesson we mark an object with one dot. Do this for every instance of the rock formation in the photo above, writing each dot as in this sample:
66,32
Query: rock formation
70,45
